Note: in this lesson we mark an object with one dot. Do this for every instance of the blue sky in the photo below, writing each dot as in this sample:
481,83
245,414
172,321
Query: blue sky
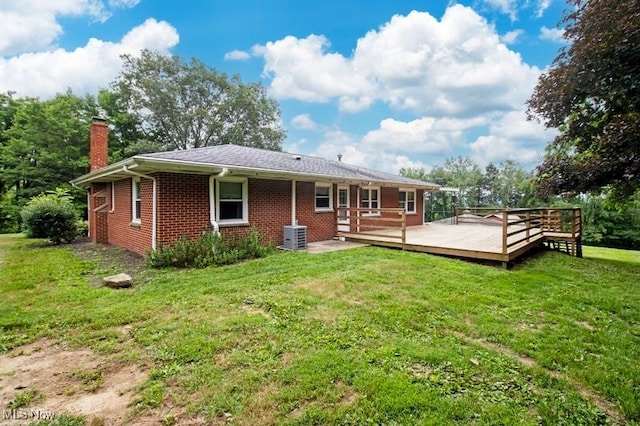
385,83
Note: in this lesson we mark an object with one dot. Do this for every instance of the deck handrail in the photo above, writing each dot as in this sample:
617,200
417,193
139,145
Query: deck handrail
537,222
374,219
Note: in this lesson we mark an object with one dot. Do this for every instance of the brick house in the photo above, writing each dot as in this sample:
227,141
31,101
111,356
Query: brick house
152,199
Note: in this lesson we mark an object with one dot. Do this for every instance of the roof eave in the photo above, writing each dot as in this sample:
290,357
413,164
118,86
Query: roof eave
150,165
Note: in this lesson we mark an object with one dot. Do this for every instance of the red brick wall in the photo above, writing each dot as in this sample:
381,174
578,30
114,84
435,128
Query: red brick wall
269,210
122,233
320,226
183,206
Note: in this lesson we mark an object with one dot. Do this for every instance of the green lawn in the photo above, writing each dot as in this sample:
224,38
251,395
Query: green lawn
368,335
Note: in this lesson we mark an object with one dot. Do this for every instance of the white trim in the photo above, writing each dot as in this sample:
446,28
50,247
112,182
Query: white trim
379,196
113,197
344,223
136,214
330,195
245,202
154,204
415,196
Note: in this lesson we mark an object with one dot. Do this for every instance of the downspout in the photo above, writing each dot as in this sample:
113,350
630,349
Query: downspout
154,205
294,221
212,200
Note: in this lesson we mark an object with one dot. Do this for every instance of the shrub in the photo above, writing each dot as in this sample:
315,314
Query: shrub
51,215
209,249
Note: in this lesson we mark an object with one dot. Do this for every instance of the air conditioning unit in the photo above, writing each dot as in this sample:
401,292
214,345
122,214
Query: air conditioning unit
295,237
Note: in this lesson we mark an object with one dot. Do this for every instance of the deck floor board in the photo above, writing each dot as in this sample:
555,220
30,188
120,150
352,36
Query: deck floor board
476,241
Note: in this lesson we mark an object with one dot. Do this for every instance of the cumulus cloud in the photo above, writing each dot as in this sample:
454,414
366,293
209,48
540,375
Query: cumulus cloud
511,37
29,25
304,122
237,55
84,69
552,34
456,66
508,7
350,147
512,137
303,69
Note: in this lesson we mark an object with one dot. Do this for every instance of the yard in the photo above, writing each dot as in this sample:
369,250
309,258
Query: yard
368,335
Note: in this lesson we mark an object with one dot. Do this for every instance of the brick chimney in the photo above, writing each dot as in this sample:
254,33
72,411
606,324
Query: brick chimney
99,144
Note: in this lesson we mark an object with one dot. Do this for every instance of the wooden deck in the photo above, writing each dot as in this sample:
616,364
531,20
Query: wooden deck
502,240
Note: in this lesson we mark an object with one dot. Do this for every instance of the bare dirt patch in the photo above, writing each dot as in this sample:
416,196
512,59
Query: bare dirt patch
73,382
111,260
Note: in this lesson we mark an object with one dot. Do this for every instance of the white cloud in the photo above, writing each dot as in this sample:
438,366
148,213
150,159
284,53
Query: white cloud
511,37
347,145
237,55
552,34
29,25
512,137
304,122
455,66
543,5
84,69
123,4
508,7
426,135
303,69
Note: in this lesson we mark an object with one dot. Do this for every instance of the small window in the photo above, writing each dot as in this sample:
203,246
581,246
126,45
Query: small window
232,201
324,197
135,200
408,200
370,199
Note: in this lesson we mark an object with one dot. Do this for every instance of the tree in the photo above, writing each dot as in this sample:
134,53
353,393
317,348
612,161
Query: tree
46,145
189,105
591,94
491,183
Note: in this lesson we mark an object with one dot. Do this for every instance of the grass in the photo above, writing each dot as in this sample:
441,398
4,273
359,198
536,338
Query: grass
368,335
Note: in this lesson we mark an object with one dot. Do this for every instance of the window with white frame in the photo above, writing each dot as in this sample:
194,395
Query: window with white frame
408,200
135,199
370,199
324,196
232,201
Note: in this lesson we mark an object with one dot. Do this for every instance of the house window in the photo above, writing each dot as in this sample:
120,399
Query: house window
370,199
135,200
408,200
324,197
232,201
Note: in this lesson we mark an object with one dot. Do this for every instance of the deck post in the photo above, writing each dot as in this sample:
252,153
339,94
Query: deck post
403,214
528,226
504,232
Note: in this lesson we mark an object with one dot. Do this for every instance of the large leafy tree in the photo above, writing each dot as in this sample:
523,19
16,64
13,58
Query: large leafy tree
46,144
591,94
189,105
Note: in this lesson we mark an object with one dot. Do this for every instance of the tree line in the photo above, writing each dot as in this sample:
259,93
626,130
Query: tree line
157,103
607,220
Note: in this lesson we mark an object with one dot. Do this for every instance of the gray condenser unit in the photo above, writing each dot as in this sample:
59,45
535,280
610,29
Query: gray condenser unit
295,237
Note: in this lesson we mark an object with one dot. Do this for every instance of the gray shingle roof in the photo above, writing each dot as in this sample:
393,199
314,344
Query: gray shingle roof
234,156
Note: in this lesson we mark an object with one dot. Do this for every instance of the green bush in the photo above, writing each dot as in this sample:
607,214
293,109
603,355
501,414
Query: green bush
209,249
52,216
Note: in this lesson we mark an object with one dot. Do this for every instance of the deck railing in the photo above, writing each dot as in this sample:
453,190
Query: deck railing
368,221
523,225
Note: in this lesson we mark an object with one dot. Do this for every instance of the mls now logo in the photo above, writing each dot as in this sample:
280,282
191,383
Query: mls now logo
28,415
